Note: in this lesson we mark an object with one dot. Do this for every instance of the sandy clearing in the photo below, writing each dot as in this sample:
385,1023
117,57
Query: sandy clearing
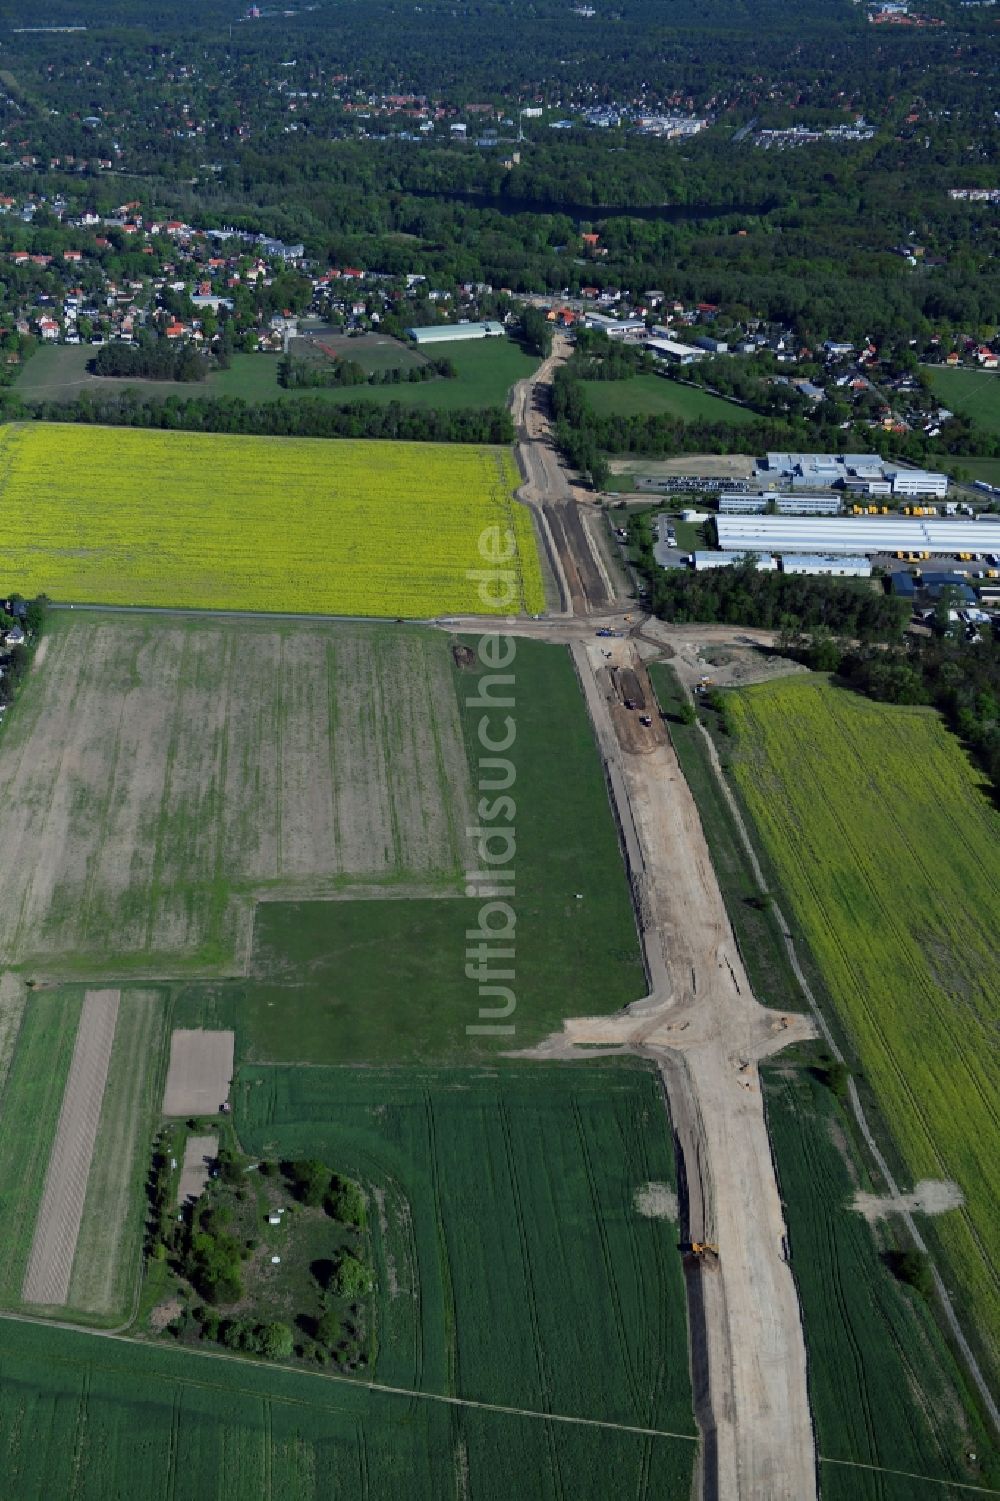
58,1224
199,1154
930,1196
200,1072
704,465
656,1201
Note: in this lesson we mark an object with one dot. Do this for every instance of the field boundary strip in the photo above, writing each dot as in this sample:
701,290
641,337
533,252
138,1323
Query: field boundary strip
443,1398
60,1213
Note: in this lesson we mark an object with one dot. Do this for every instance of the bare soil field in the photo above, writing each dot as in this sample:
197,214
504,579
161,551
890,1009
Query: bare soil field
161,773
199,1153
702,465
61,1210
200,1073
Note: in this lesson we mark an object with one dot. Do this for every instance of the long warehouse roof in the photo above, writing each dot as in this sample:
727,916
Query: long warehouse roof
864,534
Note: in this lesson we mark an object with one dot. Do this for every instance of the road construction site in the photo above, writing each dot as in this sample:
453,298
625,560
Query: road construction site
700,1021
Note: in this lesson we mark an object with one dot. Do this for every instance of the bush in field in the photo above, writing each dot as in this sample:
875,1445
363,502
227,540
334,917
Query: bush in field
351,1278
345,1202
913,1268
310,1180
328,1330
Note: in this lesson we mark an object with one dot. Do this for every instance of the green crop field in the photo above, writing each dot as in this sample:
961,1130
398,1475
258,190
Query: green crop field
116,516
973,393
107,1260
121,1419
884,1387
549,1289
655,396
984,469
384,980
885,843
29,1114
486,371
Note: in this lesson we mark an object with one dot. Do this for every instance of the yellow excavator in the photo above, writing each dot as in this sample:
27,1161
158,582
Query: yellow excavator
704,1248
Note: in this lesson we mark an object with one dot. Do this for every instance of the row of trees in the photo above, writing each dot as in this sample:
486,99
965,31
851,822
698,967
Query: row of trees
302,417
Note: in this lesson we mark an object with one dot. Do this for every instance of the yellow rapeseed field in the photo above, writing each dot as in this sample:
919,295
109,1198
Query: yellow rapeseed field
886,842
119,516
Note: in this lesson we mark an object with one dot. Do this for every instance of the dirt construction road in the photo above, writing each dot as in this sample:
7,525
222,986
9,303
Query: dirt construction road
700,1022
706,1031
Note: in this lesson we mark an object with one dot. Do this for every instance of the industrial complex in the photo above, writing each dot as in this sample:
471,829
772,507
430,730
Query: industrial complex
865,536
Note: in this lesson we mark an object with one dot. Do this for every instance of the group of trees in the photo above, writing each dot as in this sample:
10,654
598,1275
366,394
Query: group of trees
296,374
210,1246
153,359
299,418
742,595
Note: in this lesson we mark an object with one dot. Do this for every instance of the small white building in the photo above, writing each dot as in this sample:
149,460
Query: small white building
834,567
764,562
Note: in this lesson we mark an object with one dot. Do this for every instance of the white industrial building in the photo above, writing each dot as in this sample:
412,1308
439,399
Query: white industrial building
820,563
616,328
673,352
704,560
445,333
917,482
867,472
737,503
861,535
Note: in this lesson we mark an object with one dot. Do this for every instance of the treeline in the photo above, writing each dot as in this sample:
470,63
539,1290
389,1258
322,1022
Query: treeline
743,595
156,360
296,375
960,678
301,418
584,437
791,424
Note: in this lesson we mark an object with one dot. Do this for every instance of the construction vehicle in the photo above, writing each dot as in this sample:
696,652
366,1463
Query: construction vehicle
704,1249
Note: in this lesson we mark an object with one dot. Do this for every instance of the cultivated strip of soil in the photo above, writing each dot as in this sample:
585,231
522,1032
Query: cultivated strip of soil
58,1224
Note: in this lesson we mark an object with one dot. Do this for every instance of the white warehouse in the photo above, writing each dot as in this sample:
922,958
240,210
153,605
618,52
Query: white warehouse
860,535
837,567
443,333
